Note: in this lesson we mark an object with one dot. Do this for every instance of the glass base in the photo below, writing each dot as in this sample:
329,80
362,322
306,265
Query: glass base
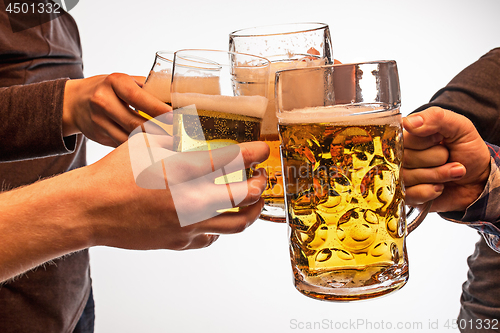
273,211
348,294
331,289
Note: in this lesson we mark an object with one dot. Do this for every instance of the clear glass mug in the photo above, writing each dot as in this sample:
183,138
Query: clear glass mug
218,99
342,154
286,46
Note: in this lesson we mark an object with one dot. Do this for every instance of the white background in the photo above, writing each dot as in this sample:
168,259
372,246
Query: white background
243,283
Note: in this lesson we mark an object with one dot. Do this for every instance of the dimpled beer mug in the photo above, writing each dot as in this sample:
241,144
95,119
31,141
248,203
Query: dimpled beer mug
341,155
286,46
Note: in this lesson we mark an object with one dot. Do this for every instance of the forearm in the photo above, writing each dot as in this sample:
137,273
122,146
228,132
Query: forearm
41,222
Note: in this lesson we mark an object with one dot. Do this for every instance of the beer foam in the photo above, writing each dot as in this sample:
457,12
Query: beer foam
202,84
158,85
342,114
251,106
270,122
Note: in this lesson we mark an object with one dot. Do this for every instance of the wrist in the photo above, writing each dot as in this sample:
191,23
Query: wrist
69,126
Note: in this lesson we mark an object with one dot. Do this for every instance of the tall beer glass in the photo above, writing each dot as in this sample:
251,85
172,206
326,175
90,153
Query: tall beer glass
342,160
160,76
286,46
219,98
158,83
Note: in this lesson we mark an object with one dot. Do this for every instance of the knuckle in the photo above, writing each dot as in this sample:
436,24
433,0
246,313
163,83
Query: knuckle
99,98
437,112
134,123
114,77
255,190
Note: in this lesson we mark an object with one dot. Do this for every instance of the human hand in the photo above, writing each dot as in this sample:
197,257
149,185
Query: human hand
445,160
128,216
100,107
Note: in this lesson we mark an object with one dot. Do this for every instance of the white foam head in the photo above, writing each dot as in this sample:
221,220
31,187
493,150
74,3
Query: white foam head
251,106
341,114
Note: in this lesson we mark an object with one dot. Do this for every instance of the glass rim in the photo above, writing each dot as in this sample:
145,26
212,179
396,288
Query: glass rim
384,102
161,53
301,27
216,65
312,68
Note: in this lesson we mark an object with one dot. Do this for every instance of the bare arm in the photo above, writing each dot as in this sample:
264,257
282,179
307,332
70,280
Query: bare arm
101,205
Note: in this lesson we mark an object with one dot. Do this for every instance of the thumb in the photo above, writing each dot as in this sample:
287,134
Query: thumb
437,121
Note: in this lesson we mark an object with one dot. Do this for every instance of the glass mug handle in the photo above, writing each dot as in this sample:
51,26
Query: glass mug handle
420,214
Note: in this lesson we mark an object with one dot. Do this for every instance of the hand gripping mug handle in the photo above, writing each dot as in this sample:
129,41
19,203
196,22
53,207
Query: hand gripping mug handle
420,213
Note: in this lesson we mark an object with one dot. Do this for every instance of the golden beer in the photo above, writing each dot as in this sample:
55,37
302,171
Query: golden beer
218,99
287,46
212,122
205,129
345,200
274,192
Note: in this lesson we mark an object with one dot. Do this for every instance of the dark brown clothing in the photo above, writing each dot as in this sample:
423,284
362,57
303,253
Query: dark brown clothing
34,66
475,93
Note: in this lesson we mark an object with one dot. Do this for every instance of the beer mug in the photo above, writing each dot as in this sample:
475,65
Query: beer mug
342,154
218,98
286,46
